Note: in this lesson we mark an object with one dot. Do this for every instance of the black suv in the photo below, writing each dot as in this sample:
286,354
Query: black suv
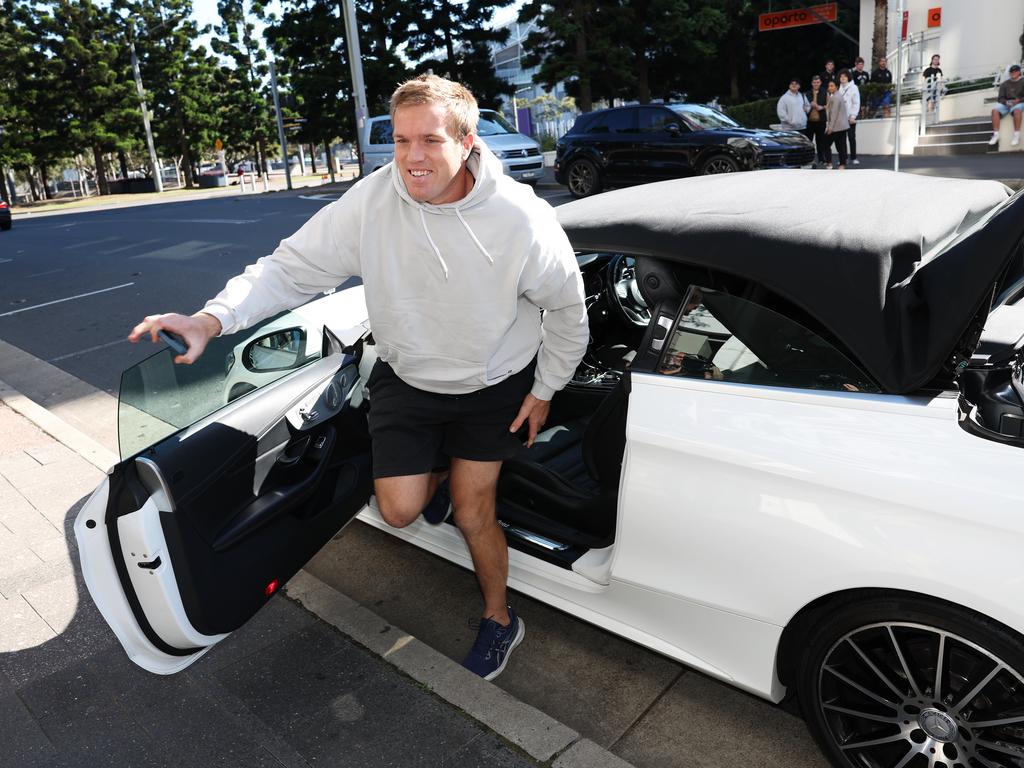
635,145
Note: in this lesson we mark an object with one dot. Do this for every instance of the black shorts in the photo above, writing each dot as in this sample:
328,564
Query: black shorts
413,431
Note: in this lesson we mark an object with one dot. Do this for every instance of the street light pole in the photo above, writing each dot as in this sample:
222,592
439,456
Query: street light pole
280,125
899,84
355,63
158,182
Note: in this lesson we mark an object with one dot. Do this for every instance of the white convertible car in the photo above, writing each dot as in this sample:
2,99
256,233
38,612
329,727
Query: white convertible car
792,458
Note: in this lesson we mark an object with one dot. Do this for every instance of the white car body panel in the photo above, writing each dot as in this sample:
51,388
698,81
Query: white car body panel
104,586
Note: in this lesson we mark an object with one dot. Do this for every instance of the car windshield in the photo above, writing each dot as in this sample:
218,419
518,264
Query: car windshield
493,124
159,398
703,118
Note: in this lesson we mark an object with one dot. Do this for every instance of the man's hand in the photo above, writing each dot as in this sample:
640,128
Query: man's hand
534,410
197,331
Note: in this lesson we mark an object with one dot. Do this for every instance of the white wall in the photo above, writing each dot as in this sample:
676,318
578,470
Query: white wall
878,137
976,36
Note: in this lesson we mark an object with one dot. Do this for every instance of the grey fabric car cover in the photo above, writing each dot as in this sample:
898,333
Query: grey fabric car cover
896,266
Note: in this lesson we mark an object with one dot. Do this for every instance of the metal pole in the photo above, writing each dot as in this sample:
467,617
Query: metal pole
899,83
157,181
355,62
280,125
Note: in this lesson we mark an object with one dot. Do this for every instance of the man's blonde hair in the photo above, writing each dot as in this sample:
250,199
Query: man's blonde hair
463,113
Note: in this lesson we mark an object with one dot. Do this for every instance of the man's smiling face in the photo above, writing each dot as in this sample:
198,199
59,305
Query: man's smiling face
431,160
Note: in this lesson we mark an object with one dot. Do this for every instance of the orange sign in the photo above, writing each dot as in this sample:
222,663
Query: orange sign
799,17
935,17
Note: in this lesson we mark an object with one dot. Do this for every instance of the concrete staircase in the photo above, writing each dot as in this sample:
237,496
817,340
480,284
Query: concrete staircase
957,137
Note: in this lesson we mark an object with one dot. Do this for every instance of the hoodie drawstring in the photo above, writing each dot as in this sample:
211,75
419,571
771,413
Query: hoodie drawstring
437,251
473,235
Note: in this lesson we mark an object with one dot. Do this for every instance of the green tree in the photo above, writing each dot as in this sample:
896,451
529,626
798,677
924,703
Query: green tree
245,101
308,43
384,26
578,42
95,94
181,81
459,33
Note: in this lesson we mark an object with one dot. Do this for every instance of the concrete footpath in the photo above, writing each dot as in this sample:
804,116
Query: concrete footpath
313,679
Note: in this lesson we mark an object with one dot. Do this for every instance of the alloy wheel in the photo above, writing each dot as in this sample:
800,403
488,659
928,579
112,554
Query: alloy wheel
720,164
582,178
904,695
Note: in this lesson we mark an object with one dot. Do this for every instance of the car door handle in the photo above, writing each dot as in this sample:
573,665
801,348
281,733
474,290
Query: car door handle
268,506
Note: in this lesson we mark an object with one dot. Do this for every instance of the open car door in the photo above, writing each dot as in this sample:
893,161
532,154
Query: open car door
211,510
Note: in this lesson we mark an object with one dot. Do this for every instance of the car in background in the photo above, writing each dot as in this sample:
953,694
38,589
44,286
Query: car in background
5,216
520,155
653,142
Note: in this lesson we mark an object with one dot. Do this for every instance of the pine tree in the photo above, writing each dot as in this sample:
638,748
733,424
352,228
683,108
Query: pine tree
246,96
95,89
577,42
384,25
180,81
459,32
309,46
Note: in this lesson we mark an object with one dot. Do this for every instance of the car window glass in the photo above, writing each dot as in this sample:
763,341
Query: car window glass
615,121
159,398
654,120
380,132
723,337
703,118
493,124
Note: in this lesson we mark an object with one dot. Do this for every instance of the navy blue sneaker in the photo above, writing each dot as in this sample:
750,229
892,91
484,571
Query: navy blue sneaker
494,644
439,506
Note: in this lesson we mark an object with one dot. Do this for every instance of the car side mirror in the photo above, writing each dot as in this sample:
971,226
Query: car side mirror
277,351
674,129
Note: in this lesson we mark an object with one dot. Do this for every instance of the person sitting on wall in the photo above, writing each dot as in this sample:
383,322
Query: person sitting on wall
1009,101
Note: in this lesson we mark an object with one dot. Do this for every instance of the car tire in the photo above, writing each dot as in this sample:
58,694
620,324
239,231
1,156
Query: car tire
583,178
869,691
719,163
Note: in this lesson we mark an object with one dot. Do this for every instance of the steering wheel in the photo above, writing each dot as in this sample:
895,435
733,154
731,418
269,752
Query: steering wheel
623,293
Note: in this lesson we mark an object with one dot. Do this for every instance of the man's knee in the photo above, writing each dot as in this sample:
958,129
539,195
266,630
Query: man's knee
398,513
473,513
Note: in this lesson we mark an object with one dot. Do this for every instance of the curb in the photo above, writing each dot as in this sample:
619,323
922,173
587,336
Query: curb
539,735
57,428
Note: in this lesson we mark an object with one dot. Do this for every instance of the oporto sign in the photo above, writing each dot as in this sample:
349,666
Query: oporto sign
798,17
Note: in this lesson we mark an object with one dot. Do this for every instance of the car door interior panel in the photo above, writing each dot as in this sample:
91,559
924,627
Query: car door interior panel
211,521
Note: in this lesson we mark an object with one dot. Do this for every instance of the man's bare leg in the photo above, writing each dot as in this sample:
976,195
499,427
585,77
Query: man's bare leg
474,487
401,499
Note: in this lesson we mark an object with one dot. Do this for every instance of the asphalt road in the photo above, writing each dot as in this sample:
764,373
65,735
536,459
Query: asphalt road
71,288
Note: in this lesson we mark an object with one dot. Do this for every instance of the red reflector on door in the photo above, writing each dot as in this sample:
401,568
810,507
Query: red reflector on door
271,588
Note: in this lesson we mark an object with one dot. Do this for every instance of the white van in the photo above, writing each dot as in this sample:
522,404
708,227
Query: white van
520,155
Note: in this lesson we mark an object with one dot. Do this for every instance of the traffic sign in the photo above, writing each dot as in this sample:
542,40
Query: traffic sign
798,17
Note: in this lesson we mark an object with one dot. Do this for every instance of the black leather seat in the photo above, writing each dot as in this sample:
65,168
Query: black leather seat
571,474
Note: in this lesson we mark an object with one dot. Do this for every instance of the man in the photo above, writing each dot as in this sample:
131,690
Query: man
829,75
816,106
792,108
882,75
851,97
1009,101
859,76
457,260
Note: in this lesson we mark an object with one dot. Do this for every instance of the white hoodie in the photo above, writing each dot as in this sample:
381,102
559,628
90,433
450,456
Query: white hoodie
792,111
851,97
454,292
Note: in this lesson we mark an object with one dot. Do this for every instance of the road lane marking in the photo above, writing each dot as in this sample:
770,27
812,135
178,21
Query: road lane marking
4,261
320,197
190,249
212,221
90,242
49,272
130,246
90,349
69,298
